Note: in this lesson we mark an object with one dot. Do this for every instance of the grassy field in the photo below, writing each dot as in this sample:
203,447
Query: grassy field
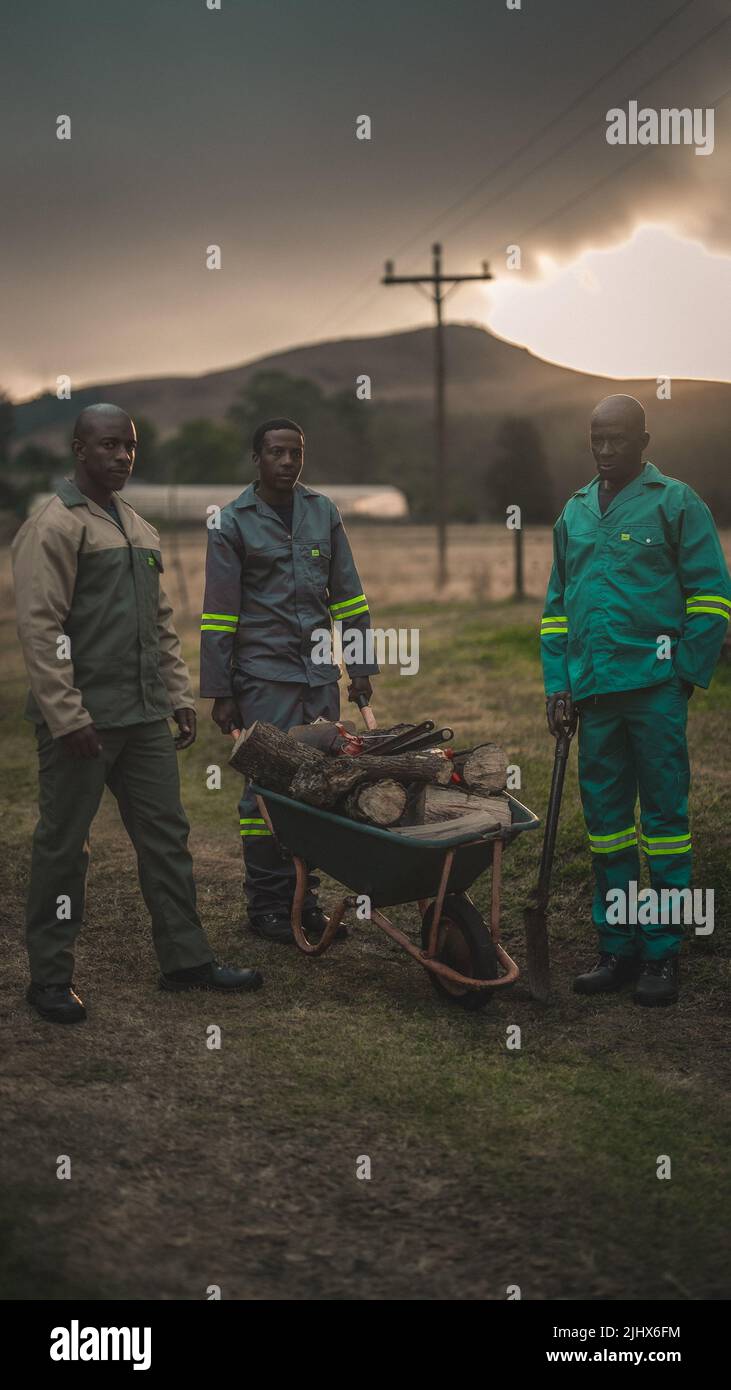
489,1167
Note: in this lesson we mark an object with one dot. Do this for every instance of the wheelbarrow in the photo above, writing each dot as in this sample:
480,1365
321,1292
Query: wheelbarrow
431,866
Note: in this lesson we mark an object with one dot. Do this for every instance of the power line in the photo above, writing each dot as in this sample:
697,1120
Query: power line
587,192
591,125
537,136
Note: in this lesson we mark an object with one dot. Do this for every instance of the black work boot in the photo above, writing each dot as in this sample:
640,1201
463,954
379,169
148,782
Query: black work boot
57,1003
609,973
658,982
273,926
211,976
314,923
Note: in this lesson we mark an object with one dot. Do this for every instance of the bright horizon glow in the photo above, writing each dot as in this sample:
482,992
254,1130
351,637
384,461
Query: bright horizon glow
651,306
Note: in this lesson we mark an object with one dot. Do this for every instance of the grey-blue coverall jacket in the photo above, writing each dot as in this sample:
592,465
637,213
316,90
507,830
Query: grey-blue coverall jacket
267,592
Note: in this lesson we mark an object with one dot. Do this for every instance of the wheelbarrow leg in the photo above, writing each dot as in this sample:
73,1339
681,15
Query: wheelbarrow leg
336,917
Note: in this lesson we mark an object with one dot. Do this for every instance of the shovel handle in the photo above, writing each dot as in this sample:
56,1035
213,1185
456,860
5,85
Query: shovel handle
563,744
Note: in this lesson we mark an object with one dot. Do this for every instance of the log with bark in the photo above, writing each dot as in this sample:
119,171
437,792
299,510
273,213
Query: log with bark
482,769
265,754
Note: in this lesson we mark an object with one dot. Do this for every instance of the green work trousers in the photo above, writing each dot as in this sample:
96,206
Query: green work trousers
139,765
630,742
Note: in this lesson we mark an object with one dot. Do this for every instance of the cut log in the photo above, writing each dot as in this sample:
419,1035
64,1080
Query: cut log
378,803
483,769
324,783
266,755
447,803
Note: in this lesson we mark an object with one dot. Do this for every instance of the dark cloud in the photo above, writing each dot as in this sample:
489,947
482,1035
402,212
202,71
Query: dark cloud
237,127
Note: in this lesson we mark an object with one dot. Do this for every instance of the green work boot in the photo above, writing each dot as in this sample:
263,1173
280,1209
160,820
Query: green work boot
658,982
610,973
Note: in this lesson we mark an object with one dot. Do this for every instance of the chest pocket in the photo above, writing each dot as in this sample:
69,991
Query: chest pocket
317,559
640,550
148,568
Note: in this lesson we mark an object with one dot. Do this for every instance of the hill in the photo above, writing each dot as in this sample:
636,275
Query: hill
488,379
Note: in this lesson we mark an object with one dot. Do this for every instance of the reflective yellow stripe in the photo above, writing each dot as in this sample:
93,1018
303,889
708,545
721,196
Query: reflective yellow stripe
222,617
216,627
556,619
680,849
618,835
666,844
547,631
711,598
351,613
253,825
608,844
346,603
720,612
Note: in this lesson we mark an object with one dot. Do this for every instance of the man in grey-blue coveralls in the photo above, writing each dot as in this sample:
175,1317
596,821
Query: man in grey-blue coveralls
278,570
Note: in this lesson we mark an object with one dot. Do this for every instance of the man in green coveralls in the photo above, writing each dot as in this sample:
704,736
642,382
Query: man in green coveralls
106,673
635,616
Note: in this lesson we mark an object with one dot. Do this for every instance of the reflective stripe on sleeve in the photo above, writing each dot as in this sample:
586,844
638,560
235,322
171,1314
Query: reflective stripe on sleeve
555,624
219,622
349,607
709,603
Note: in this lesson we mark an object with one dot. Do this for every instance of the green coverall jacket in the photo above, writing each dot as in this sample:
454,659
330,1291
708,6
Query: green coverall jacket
650,567
80,578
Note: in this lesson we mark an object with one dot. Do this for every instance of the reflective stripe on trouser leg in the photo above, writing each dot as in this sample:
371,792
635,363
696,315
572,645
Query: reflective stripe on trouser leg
608,793
657,721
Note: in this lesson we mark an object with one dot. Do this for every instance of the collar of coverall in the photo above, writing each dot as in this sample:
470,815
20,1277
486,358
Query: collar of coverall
248,497
649,477
72,496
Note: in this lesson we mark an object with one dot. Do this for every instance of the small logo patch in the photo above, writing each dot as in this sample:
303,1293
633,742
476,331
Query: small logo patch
625,536
151,560
314,552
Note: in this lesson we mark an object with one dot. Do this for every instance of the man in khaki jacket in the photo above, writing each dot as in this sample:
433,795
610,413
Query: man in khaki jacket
106,673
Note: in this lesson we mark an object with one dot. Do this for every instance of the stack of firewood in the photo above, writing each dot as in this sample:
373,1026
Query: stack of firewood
317,764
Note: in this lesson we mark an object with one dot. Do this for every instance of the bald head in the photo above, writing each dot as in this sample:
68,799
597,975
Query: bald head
100,416
624,410
104,446
618,440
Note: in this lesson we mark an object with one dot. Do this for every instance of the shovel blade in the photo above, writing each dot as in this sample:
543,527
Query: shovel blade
536,943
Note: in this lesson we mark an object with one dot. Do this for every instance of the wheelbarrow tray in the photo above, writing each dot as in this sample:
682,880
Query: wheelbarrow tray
389,867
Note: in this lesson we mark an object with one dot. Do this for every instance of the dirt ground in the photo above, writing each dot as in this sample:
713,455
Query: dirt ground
489,1167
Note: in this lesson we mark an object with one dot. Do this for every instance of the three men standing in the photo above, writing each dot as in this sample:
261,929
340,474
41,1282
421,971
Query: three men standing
635,617
106,673
279,571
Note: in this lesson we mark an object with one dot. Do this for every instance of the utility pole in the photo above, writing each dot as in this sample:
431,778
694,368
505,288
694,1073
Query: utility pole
438,296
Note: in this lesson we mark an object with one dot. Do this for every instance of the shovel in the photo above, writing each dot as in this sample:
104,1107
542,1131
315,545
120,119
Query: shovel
536,930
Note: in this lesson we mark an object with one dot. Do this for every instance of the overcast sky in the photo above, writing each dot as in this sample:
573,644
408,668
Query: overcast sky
237,127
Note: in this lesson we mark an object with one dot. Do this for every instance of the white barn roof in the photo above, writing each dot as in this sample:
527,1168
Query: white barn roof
189,501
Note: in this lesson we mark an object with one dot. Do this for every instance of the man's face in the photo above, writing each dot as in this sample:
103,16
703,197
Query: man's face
106,455
617,442
281,459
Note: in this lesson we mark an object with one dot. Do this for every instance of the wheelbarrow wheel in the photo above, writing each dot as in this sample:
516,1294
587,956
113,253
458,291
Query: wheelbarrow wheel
463,943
